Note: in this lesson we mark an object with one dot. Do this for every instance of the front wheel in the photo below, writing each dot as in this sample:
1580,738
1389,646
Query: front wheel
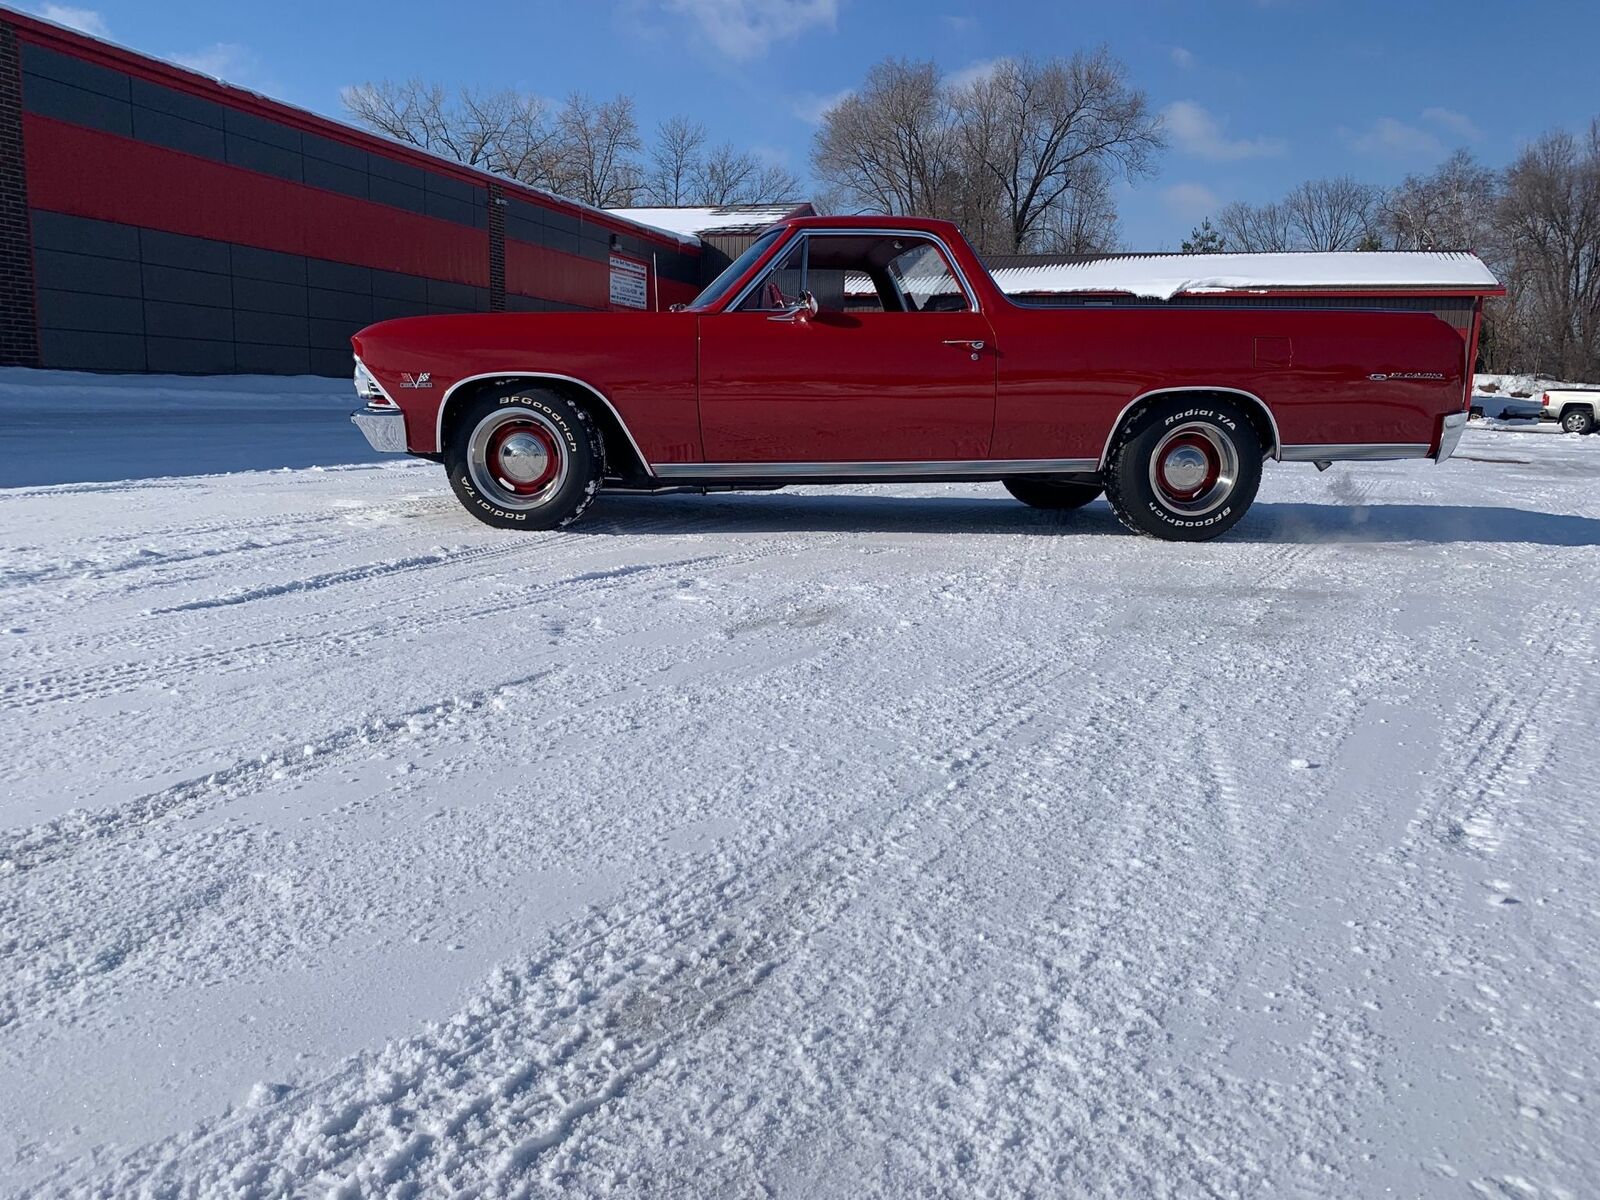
524,459
1052,493
1185,469
1577,420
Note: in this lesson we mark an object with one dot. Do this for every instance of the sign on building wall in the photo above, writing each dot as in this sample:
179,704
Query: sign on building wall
630,283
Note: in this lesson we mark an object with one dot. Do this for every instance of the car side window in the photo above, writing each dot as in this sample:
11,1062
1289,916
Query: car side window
861,273
926,280
781,286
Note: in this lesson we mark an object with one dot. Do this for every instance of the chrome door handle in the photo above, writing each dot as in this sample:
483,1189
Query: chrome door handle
969,343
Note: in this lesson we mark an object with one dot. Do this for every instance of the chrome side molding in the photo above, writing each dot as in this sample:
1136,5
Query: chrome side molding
1353,451
976,468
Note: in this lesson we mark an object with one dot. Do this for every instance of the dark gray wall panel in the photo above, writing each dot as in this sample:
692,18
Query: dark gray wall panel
178,250
335,178
260,295
338,153
177,104
175,133
187,287
275,360
90,311
189,356
264,157
251,263
259,129
331,334
70,350
397,172
385,308
400,287
453,295
87,273
79,235
341,277
64,68
188,321
49,98
270,328
333,362
397,195
344,306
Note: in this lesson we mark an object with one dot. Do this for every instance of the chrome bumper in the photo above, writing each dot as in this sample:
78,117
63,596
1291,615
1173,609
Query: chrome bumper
384,431
1450,435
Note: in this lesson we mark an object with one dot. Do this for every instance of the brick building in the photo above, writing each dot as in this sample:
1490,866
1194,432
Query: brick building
154,219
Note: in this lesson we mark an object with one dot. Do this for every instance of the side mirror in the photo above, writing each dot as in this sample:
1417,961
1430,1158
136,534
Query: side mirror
801,311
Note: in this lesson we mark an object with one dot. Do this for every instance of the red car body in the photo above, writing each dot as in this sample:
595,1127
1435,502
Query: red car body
709,395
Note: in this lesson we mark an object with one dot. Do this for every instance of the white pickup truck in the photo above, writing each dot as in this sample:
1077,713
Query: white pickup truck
1578,410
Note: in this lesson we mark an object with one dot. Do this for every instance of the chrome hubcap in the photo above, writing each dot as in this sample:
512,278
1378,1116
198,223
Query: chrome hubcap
1185,468
523,458
1194,468
517,458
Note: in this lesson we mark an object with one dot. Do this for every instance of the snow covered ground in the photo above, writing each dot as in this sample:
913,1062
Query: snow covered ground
833,842
76,427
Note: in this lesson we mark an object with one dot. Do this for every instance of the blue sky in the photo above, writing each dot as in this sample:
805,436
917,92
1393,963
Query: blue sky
1259,94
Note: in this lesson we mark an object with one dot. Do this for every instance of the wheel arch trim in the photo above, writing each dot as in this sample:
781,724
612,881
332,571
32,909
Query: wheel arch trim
1272,421
444,405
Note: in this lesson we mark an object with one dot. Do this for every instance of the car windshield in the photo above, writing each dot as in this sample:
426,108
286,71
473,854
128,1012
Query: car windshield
720,286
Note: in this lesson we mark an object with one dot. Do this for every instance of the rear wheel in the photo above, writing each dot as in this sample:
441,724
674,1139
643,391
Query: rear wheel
1052,493
524,460
1577,420
1185,469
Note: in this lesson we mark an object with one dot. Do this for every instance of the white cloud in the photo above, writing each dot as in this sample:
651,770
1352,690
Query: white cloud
1458,124
972,72
84,20
1195,132
1389,138
959,24
745,29
810,106
1182,57
1190,201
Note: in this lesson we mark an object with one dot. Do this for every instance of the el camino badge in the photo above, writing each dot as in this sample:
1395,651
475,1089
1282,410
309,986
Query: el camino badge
425,380
1381,377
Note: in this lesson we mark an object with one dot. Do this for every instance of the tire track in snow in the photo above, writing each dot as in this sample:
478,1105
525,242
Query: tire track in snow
27,850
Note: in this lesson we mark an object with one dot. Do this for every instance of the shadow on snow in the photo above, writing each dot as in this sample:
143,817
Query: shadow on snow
1266,522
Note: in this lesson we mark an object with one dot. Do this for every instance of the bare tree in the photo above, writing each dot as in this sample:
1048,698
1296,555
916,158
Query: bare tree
729,176
1021,156
1043,130
1085,221
470,126
1255,229
1451,208
887,147
673,160
1549,221
599,142
1334,214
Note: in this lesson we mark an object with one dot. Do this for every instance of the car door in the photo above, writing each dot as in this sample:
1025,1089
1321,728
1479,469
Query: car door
896,365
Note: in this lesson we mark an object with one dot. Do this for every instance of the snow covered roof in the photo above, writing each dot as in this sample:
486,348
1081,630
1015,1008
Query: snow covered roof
1163,276
697,220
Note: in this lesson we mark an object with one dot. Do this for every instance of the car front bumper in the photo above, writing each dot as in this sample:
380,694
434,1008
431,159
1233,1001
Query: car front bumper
384,431
1450,430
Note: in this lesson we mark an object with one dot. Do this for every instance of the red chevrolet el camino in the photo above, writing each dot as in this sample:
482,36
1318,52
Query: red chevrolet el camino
849,349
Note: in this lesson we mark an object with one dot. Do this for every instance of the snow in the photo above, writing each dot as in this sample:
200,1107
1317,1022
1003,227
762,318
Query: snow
1162,276
698,220
860,841
75,427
